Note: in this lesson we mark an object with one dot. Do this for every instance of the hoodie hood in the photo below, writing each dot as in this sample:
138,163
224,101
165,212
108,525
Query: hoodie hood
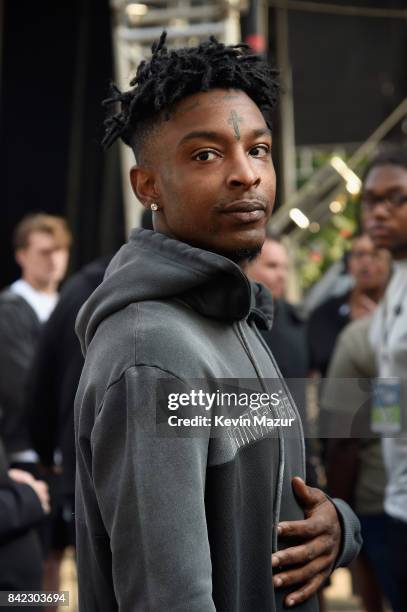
152,266
262,308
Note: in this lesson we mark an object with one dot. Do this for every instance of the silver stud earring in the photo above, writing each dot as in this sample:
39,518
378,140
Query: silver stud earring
154,206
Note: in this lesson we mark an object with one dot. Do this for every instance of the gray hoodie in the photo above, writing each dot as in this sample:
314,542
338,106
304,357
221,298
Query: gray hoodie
180,520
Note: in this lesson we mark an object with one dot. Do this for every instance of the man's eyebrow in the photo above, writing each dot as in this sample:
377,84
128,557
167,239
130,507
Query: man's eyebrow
200,134
262,132
216,136
391,187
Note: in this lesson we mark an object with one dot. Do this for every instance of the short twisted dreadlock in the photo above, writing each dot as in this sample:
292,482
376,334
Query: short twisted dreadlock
170,76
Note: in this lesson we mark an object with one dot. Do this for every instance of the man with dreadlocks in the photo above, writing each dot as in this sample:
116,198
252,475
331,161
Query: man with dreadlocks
215,516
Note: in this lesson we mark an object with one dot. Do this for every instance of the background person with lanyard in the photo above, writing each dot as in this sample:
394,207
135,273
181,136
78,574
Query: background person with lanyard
384,209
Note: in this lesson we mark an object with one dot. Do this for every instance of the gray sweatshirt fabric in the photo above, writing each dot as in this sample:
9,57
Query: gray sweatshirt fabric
168,521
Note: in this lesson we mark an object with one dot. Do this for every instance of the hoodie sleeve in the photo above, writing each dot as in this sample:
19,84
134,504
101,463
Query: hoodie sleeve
149,491
20,509
17,346
351,533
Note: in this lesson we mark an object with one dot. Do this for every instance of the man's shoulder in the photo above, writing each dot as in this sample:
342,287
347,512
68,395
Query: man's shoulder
354,347
13,305
158,333
333,311
354,339
8,297
358,329
148,312
293,313
331,304
164,335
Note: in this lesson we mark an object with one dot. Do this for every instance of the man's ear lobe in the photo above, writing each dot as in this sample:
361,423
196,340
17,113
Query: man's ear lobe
19,257
143,184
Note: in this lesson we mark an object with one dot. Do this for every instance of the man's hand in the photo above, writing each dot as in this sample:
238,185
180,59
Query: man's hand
21,476
321,532
362,306
40,487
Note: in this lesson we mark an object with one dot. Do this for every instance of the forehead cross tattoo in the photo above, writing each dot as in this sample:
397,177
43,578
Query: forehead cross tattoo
234,120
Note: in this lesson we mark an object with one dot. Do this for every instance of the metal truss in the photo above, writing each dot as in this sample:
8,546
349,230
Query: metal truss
329,181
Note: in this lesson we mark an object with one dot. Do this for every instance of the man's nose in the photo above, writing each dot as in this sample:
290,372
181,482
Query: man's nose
243,172
380,210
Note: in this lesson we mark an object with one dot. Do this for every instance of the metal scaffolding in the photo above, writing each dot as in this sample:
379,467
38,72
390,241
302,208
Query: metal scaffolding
328,181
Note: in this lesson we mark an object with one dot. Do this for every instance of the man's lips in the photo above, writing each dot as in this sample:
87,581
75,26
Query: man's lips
379,230
244,206
245,211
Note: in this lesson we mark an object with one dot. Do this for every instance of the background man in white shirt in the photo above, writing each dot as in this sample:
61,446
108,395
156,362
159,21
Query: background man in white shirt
41,244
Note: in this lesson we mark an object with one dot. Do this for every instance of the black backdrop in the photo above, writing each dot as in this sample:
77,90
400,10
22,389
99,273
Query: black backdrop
56,67
349,72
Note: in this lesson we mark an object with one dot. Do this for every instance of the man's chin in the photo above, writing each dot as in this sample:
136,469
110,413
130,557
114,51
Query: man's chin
241,255
381,239
382,243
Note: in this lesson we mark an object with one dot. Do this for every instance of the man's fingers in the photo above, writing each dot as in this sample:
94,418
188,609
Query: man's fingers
296,555
41,489
305,592
368,303
305,529
305,573
310,563
321,519
307,496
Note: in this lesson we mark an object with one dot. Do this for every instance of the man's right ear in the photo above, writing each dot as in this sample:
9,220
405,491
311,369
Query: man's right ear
19,256
143,184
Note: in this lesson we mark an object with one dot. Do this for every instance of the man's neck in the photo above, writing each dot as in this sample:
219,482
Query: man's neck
374,294
48,288
400,256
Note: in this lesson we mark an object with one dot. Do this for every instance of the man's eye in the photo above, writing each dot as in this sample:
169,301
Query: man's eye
205,156
260,151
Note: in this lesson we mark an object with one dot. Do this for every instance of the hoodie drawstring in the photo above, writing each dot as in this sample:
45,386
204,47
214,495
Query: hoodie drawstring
276,510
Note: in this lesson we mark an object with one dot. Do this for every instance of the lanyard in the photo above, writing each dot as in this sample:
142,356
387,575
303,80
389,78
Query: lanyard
387,326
